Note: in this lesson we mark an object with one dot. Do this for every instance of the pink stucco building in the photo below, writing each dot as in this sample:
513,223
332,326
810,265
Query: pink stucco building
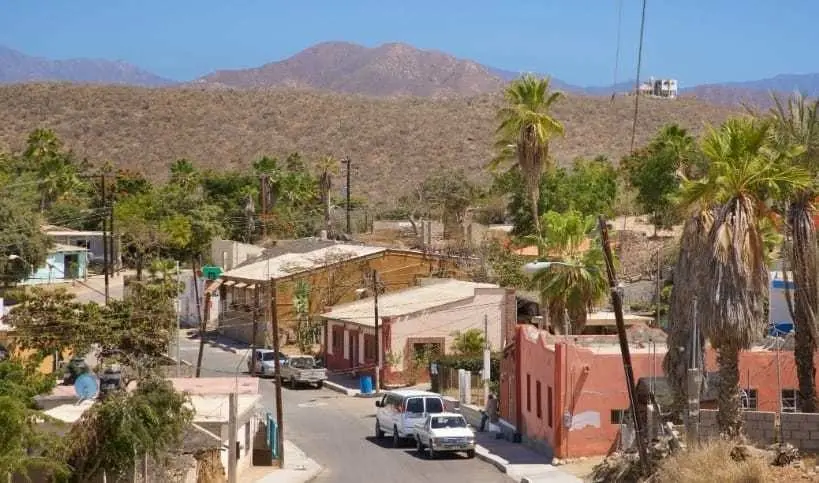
413,322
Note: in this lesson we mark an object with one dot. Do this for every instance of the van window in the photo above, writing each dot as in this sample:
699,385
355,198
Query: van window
415,405
434,405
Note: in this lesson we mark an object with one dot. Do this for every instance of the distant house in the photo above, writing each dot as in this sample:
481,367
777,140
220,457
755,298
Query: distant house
64,263
90,240
414,323
330,272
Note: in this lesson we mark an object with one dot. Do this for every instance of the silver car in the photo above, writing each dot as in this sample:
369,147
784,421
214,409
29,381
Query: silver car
265,362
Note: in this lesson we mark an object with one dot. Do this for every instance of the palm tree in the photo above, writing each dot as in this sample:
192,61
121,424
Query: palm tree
688,274
526,125
745,171
796,123
184,175
577,281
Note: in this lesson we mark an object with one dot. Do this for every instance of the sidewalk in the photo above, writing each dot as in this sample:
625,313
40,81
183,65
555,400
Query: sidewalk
518,461
298,468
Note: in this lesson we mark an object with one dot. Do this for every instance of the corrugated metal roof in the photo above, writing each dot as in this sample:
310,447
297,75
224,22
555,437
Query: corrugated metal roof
292,263
407,301
63,248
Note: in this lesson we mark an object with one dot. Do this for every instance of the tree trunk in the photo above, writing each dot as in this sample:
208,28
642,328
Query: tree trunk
729,416
805,303
140,262
578,317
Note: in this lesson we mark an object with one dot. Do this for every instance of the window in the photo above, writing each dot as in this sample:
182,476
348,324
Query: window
790,400
528,393
537,400
619,416
549,405
415,405
448,422
434,405
338,340
748,398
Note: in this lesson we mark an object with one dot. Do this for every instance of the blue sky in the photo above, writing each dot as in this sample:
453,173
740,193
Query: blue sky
695,41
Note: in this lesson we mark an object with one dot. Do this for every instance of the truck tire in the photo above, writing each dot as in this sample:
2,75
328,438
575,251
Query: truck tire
379,434
470,454
319,384
396,439
419,447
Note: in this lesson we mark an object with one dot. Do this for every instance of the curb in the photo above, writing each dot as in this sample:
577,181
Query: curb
483,454
339,388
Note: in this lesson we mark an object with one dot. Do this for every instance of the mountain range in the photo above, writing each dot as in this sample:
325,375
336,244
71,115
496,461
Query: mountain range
393,69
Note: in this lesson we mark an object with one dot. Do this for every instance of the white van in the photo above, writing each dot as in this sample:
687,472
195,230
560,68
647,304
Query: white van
399,412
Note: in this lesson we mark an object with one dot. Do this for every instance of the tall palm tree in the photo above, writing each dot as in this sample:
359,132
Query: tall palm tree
745,171
683,311
577,281
797,123
526,125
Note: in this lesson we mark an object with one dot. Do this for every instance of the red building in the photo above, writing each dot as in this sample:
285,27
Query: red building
568,395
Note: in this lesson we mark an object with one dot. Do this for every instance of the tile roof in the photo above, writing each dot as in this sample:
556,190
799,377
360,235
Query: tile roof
405,302
292,263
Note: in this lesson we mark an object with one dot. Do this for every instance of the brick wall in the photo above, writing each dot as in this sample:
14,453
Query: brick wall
801,430
760,427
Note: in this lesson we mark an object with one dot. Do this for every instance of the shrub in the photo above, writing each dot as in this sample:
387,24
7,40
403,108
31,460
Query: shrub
710,463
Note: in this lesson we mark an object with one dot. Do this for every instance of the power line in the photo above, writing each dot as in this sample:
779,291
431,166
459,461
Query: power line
637,87
617,49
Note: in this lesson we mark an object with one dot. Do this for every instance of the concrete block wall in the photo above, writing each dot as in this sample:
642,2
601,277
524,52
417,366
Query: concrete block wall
760,427
801,430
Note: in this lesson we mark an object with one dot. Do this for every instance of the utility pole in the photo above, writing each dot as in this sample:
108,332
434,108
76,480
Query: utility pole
111,251
346,161
377,333
178,324
486,359
199,316
233,410
274,316
693,383
105,254
617,302
659,286
253,336
264,196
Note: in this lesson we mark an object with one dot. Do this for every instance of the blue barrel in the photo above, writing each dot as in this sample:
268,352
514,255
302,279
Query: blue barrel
366,384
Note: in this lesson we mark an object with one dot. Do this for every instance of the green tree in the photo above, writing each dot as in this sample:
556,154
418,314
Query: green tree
653,172
796,123
745,171
577,280
23,246
56,170
469,343
526,125
328,167
139,218
184,175
113,433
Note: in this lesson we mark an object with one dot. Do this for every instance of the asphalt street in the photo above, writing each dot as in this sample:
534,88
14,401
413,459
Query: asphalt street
337,431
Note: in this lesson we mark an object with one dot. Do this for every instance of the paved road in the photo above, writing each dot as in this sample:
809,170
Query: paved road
337,432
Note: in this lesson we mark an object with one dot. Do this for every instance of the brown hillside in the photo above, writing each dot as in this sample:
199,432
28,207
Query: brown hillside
388,70
392,142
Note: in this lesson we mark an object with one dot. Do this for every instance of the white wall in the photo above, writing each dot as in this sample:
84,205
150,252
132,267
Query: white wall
229,253
459,316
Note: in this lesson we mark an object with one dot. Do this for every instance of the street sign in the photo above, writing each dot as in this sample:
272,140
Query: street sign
211,272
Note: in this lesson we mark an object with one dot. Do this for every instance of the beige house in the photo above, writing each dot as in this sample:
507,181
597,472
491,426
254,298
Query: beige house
414,322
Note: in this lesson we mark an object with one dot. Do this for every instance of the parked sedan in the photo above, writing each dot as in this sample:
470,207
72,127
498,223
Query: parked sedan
265,362
445,433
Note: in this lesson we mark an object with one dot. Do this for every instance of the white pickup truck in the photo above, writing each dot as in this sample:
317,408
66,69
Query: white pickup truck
444,433
303,370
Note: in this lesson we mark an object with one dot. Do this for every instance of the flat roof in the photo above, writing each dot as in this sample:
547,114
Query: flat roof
72,233
292,263
216,408
406,302
63,248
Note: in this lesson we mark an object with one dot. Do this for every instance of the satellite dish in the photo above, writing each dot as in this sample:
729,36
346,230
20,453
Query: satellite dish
85,387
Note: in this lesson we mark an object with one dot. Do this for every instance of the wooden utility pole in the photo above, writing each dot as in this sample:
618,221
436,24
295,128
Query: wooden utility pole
263,202
253,336
199,316
111,251
233,410
617,303
377,333
346,161
274,317
105,255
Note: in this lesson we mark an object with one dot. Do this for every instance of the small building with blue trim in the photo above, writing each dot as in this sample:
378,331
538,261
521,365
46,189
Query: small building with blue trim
64,263
779,316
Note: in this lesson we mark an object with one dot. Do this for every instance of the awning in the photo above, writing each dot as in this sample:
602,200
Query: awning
212,287
240,285
229,283
251,287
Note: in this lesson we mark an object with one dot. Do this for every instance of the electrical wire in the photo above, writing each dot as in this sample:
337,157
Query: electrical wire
639,66
617,49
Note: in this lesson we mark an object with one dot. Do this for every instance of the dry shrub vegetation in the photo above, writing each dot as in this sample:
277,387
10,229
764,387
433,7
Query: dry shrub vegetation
712,463
392,142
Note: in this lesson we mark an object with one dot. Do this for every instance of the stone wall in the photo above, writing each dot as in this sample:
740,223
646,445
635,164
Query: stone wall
760,427
801,430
